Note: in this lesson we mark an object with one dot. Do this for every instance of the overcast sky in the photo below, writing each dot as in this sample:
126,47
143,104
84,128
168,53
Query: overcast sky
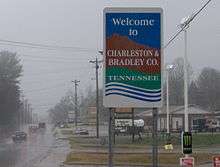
78,23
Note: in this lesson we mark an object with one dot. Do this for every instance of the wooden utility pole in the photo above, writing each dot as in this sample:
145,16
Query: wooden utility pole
96,62
76,101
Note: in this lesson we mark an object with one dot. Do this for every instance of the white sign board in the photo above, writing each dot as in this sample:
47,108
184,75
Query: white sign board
187,162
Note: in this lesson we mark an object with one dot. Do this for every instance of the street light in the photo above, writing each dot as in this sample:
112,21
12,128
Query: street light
169,67
185,25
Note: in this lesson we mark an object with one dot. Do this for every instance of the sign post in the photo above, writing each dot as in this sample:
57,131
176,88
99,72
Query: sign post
110,159
155,138
133,60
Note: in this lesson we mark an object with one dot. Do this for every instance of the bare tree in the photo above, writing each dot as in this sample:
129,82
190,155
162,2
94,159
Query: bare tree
208,84
176,81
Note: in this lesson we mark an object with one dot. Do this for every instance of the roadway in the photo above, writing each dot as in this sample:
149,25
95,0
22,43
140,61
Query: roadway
39,150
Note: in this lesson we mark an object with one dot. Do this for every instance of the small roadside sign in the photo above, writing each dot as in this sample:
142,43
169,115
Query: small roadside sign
187,162
168,147
186,142
216,161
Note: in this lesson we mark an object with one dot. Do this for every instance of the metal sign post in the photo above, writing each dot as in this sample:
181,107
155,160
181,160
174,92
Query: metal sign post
110,158
155,138
133,128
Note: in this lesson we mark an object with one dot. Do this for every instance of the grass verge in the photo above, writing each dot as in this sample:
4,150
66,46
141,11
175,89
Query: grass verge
130,158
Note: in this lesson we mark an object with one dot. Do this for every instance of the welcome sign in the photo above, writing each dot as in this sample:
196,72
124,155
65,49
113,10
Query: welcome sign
132,50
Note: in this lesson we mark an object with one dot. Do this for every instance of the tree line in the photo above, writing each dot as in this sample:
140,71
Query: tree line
10,73
203,90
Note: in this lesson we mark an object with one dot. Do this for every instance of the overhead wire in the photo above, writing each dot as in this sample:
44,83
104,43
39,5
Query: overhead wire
47,88
44,46
53,72
50,61
51,57
186,25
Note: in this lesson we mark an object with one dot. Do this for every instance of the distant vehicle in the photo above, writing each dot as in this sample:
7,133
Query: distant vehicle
71,120
33,128
206,125
63,125
81,132
199,125
213,125
19,136
42,125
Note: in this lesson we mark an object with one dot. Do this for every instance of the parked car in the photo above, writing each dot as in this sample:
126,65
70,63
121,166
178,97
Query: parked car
19,136
33,128
81,132
63,125
42,125
206,125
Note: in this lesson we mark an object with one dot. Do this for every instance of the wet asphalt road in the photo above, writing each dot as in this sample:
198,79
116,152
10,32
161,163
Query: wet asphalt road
28,153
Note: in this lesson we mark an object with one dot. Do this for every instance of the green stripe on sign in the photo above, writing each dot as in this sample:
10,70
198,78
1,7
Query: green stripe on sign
133,78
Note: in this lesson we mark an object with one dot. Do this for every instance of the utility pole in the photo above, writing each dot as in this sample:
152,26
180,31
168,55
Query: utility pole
29,114
76,104
97,62
22,111
169,67
25,111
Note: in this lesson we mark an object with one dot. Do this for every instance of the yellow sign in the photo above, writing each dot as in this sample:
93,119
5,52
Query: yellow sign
168,147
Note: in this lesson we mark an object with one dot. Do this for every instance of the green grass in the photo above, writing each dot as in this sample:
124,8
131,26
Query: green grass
206,139
132,158
199,140
203,139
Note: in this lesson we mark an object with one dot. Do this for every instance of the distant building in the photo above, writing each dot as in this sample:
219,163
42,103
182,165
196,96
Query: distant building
176,117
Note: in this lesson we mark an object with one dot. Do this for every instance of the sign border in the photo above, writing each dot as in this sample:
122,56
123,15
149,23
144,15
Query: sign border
134,10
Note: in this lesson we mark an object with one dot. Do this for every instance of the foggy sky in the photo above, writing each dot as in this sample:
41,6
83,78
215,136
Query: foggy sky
78,23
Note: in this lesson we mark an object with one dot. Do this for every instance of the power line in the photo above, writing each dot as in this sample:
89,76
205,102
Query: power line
192,17
46,88
49,61
68,71
44,46
51,57
48,73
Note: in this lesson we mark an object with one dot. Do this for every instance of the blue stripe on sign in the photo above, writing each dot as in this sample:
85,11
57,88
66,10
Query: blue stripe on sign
134,97
134,93
136,89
